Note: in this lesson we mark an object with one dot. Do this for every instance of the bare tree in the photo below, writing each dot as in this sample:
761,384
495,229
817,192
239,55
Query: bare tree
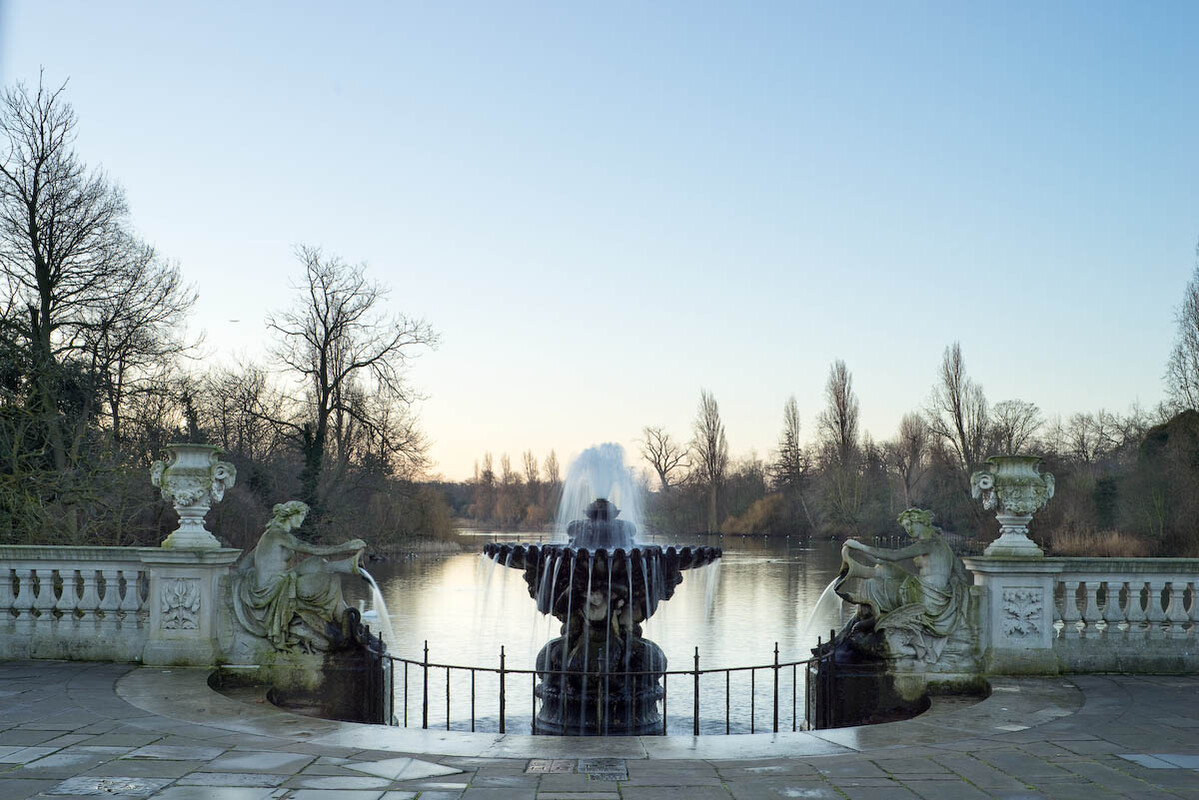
235,403
839,420
59,223
1089,437
532,478
840,448
337,340
1014,426
132,337
957,411
664,454
532,471
1182,369
552,471
710,449
908,454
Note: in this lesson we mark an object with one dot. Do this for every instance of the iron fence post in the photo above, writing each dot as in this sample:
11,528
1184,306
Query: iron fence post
794,697
424,710
472,701
831,705
695,714
753,698
502,698
776,687
809,692
533,696
665,680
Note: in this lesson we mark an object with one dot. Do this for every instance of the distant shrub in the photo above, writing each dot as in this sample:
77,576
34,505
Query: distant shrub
763,516
1100,544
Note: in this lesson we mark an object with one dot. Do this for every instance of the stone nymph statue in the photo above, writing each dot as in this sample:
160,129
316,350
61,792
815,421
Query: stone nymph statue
910,612
293,602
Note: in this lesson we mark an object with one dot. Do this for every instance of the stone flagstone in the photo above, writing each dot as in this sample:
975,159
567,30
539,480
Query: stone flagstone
403,769
88,786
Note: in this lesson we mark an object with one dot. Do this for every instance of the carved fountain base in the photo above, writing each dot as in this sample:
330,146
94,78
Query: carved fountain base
604,700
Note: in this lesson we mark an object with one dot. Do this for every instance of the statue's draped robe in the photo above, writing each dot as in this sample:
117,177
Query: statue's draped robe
276,607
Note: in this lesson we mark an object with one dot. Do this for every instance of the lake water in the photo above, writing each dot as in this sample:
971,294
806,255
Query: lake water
466,607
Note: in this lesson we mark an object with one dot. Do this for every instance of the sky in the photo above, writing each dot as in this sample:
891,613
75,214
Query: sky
605,208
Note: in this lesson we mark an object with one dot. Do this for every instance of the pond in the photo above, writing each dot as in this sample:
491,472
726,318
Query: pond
466,607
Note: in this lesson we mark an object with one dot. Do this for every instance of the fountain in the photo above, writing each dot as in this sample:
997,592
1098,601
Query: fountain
600,676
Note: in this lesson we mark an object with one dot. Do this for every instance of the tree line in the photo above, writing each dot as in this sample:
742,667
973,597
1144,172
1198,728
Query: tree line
1127,483
95,371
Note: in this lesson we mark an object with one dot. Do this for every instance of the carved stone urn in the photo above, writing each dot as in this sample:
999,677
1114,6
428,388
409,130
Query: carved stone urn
192,478
1019,490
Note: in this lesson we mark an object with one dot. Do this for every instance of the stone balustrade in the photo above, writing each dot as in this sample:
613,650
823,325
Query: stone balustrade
85,603
149,604
1126,614
1049,615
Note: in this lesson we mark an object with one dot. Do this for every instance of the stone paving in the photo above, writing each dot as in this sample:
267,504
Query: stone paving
118,731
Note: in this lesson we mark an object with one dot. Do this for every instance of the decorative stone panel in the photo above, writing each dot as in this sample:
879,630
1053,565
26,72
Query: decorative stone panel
1023,612
181,604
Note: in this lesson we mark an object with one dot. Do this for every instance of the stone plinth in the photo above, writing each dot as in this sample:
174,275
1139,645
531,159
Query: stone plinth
185,603
1017,635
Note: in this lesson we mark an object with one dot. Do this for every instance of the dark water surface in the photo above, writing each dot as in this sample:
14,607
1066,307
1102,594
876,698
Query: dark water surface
466,607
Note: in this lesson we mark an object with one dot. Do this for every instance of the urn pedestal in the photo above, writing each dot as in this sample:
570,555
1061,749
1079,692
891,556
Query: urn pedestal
192,478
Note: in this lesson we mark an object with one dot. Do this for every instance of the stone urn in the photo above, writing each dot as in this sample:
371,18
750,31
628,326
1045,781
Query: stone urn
192,478
1014,486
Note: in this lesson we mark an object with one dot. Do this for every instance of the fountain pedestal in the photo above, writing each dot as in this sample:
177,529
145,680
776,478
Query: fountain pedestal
605,699
600,676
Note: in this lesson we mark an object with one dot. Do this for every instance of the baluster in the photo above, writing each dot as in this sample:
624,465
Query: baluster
68,599
7,598
89,601
89,598
1135,610
1113,614
1192,619
1070,614
1154,611
44,600
1091,614
110,602
23,602
131,600
1176,615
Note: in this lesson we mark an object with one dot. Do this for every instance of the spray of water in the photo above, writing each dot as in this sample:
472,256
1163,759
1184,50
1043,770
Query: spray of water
829,611
385,630
600,471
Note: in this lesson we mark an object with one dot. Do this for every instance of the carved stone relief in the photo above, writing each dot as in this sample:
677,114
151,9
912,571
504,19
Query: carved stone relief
181,604
1022,612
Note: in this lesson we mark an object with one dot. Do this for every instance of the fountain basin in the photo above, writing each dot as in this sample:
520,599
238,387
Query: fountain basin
560,577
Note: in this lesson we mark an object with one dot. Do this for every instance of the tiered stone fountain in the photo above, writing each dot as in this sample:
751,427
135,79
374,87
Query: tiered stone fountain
600,677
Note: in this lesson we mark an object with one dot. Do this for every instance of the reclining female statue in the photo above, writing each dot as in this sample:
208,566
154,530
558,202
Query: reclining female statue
915,610
294,604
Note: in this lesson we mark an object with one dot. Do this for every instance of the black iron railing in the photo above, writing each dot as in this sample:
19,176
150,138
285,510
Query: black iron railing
418,686
820,688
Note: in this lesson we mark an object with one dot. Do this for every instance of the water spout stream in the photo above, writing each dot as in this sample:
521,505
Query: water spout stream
380,606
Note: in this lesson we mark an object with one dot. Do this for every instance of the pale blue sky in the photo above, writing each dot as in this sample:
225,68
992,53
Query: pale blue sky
604,208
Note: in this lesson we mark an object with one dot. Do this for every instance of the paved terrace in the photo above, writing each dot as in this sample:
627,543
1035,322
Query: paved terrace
118,731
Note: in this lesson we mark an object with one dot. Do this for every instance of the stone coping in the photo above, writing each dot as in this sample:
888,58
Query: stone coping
1013,705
